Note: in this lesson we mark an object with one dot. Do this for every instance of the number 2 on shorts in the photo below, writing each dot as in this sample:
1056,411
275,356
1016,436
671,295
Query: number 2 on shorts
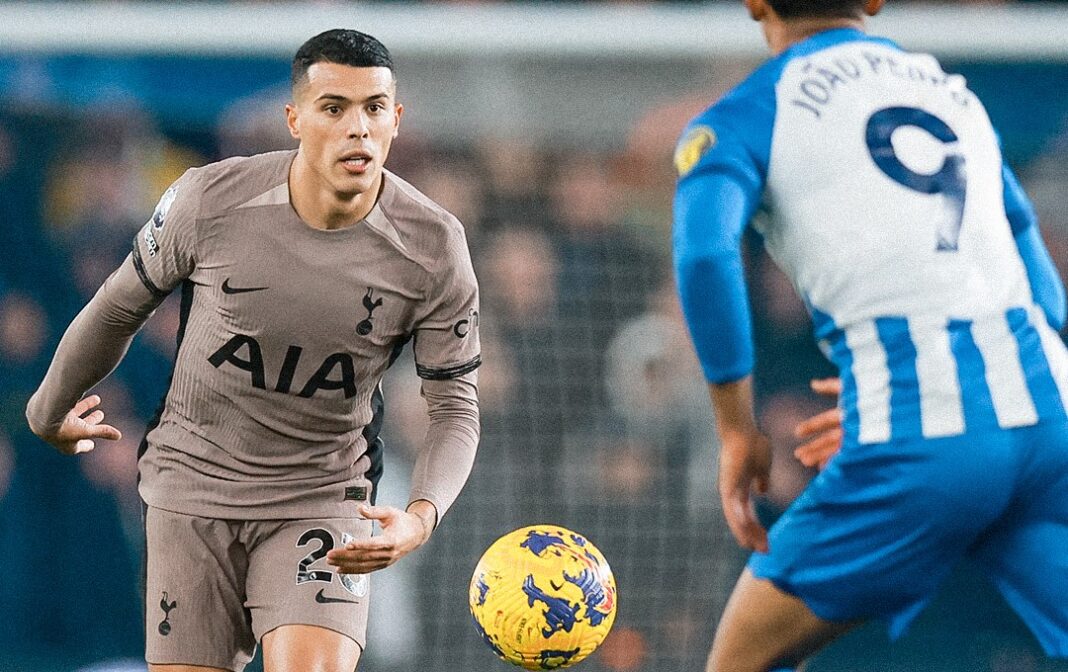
326,543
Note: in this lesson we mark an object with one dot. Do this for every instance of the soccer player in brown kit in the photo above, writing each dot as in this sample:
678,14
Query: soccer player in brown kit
303,273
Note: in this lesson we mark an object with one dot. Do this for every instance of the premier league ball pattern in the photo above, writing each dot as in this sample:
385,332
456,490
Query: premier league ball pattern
543,597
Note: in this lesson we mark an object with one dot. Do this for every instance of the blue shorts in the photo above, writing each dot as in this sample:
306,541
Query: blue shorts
877,531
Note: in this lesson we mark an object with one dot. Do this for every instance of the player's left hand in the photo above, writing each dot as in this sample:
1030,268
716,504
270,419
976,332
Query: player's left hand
744,468
823,431
402,533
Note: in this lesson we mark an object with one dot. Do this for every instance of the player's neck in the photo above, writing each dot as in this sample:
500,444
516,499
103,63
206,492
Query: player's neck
781,35
323,208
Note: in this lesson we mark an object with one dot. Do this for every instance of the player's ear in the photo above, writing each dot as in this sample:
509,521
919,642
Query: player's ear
872,7
758,9
292,121
398,110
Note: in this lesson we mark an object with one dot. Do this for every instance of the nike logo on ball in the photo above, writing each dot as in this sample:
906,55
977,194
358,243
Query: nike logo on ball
227,289
323,599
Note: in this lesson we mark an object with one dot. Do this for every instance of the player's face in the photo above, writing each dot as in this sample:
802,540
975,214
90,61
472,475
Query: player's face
345,118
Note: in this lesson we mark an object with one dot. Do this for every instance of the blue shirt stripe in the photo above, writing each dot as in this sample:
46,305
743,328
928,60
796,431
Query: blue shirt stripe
842,357
976,400
1043,388
904,381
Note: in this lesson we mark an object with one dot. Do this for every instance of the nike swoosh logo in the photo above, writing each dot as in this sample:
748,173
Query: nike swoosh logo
227,289
323,599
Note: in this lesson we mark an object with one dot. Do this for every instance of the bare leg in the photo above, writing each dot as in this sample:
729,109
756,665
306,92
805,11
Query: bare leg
308,648
763,627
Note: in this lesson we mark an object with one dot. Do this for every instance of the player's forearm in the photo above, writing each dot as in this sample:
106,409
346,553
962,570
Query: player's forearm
92,347
716,308
442,468
733,406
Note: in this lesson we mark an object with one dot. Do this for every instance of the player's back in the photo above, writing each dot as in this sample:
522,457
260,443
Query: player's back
885,193
885,189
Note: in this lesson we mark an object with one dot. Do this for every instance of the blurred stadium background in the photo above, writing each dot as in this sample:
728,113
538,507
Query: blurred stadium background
547,129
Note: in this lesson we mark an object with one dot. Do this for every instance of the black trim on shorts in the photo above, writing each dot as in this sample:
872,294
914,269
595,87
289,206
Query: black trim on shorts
139,266
428,373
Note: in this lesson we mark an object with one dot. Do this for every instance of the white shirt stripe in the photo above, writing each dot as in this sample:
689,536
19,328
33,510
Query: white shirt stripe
873,382
1004,374
941,410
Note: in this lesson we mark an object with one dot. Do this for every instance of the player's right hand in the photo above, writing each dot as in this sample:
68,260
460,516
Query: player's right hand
823,430
78,432
744,467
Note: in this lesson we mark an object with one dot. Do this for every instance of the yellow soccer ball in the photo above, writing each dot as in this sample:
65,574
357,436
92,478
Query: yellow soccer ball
543,597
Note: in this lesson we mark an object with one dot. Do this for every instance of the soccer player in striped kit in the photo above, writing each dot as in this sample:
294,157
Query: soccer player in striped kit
890,207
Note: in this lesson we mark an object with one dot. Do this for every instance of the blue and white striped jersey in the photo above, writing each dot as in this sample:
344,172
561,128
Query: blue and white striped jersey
889,206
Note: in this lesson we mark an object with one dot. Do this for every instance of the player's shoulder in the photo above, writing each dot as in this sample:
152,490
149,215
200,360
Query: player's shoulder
753,94
735,128
420,228
226,184
756,94
738,127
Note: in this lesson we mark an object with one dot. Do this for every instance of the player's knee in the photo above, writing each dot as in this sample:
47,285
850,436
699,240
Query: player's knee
327,662
304,648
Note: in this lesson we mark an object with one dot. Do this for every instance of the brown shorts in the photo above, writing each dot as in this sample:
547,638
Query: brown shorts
215,587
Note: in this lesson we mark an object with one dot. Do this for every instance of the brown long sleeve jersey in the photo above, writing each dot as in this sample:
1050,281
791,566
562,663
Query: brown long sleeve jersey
275,404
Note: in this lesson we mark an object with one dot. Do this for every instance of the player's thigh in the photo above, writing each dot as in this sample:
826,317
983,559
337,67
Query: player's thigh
309,648
762,628
878,530
289,582
183,668
1024,553
194,593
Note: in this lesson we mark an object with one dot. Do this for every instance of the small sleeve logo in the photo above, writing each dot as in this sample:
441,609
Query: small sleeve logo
695,144
164,205
462,328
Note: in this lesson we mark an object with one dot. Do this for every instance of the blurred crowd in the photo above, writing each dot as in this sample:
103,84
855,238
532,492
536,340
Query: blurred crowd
595,414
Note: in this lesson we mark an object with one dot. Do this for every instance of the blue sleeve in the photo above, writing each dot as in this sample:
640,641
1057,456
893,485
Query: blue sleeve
714,200
1046,285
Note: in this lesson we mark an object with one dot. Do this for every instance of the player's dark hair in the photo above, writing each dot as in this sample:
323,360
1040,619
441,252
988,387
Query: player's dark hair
344,47
803,9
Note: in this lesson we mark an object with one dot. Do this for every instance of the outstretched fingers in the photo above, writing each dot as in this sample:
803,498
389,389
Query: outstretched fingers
91,427
104,432
827,386
92,401
819,451
361,556
84,441
827,420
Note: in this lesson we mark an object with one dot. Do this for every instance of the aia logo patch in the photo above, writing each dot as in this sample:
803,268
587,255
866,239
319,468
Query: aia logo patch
370,304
